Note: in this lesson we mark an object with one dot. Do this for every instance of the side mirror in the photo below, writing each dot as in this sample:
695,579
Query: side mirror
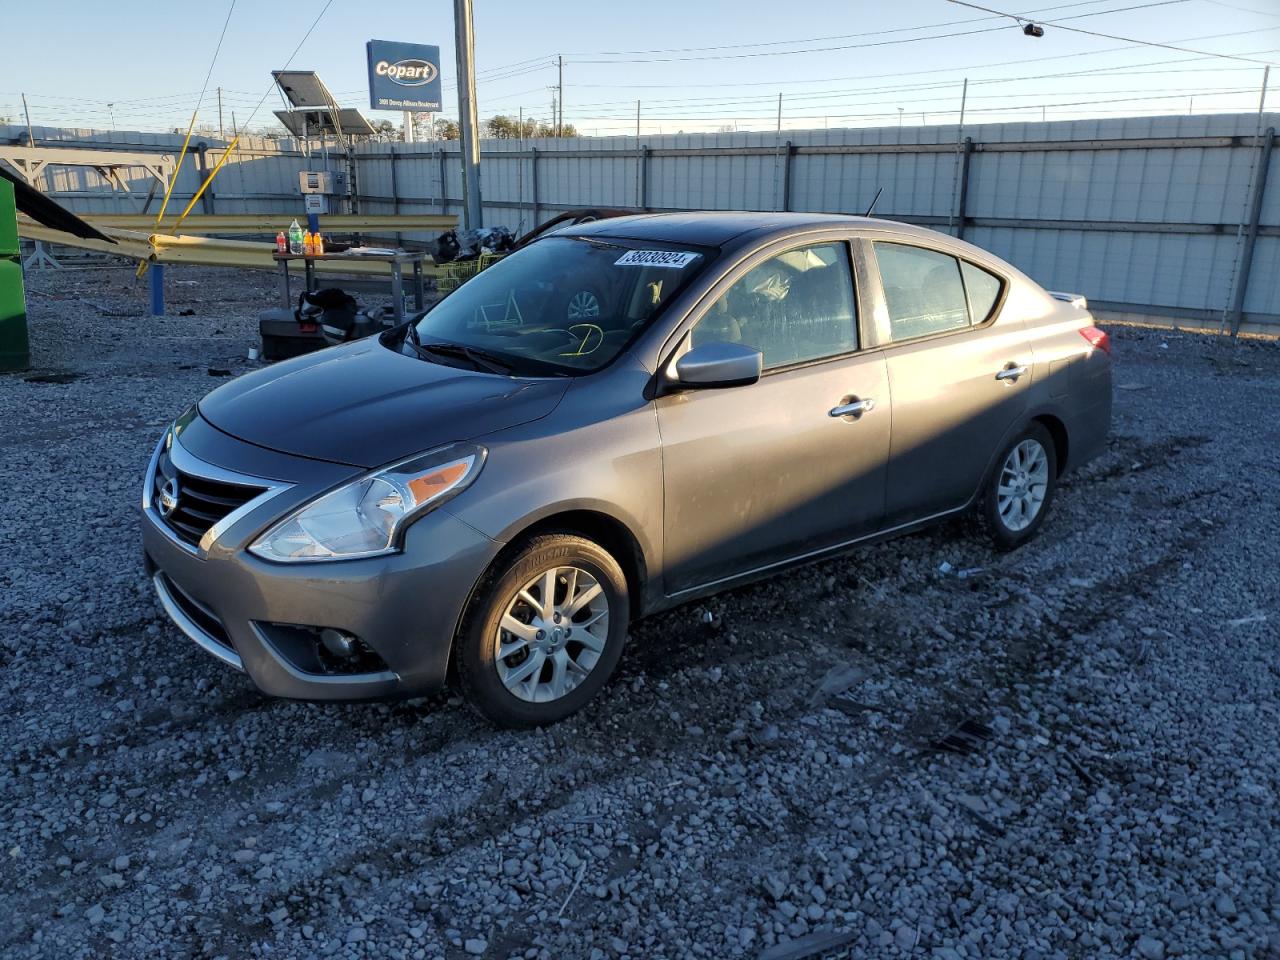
714,366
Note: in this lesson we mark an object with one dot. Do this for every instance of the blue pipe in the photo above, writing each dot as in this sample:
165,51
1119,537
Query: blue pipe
156,273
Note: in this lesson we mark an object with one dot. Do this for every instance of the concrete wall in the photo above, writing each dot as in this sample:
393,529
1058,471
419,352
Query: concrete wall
1138,213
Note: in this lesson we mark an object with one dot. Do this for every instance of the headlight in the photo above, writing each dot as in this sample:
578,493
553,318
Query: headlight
364,518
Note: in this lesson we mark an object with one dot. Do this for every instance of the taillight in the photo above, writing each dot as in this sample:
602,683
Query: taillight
1097,338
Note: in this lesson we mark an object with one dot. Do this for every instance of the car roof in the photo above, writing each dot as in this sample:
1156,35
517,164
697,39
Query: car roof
716,228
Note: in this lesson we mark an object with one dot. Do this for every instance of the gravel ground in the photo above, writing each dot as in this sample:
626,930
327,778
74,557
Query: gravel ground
1064,752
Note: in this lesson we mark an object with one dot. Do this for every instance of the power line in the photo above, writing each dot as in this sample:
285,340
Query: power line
933,85
1232,6
824,39
775,84
880,43
1112,36
908,102
266,93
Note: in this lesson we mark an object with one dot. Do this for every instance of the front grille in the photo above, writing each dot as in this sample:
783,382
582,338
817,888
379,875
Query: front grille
201,502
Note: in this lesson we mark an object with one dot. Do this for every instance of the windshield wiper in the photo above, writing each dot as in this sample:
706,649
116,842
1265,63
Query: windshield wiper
479,359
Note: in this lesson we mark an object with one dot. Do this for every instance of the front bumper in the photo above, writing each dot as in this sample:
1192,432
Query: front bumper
405,607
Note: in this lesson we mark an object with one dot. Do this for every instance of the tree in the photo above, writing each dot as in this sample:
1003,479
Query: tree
509,128
447,129
549,130
384,131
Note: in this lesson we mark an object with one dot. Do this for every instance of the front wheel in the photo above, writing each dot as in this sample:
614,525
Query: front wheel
544,632
1021,488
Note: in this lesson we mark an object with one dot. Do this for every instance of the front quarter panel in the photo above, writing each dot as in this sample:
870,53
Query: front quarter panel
599,451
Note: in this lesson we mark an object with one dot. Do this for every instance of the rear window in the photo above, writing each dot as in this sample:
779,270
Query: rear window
929,292
923,290
982,289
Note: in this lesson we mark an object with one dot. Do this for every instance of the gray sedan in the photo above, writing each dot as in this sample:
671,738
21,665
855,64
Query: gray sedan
620,417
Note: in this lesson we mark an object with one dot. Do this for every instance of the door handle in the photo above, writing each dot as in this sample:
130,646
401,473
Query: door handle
854,408
1011,373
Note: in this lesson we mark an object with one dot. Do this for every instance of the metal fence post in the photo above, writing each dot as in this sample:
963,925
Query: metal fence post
533,183
202,164
1251,232
444,204
644,178
962,207
395,189
786,175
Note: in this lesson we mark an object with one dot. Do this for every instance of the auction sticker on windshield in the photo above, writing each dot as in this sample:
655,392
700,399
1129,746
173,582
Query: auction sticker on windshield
656,258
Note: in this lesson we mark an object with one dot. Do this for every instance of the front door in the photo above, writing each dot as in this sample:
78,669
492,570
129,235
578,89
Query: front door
760,474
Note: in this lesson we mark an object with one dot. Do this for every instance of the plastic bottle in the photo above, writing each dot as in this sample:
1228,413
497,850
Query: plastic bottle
308,243
295,238
317,244
282,244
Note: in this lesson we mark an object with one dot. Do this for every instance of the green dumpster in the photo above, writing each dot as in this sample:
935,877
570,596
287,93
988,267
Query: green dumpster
15,351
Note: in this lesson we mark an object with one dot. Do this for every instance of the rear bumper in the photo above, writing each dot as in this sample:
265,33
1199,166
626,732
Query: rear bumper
247,612
1089,423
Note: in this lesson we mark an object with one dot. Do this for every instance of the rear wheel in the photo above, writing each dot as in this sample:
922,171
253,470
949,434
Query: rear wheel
544,631
1021,488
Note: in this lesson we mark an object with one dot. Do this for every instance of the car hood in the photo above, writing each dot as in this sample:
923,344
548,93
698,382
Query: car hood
366,405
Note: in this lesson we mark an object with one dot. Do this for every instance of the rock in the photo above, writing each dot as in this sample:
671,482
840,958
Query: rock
476,946
1149,948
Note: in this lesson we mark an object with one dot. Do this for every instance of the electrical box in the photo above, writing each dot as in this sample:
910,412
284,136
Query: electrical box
316,203
323,181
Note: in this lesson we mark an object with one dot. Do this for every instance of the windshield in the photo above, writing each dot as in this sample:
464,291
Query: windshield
561,305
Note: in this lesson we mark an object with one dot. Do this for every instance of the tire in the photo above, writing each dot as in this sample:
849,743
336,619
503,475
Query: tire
1006,520
572,670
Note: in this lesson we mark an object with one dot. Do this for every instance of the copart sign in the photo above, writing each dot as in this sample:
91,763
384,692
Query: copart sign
403,76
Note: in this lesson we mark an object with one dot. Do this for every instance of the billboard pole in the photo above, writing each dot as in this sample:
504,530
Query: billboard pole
464,45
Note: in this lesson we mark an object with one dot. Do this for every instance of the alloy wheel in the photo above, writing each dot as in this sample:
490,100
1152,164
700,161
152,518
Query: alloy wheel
1024,481
583,305
551,634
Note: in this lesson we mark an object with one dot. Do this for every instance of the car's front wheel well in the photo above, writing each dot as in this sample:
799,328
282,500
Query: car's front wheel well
1058,430
607,531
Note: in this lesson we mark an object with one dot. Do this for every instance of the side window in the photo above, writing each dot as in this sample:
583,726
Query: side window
923,290
794,307
982,289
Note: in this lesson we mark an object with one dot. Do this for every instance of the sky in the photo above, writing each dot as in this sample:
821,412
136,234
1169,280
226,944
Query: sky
694,65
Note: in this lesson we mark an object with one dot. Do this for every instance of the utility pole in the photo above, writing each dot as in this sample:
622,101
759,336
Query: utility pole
900,118
31,140
464,42
955,184
221,135
639,161
112,114
777,156
409,135
560,98
520,176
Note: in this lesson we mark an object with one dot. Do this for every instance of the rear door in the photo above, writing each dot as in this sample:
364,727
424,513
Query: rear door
760,474
959,371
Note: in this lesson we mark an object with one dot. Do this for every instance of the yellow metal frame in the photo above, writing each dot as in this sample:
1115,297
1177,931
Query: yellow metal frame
273,223
207,251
